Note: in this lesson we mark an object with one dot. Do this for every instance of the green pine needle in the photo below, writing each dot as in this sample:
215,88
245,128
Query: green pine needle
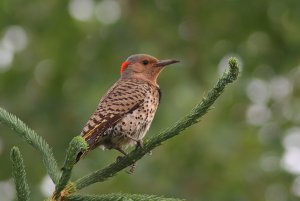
119,197
34,140
19,175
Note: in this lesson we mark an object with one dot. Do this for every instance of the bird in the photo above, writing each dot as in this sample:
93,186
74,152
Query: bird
125,113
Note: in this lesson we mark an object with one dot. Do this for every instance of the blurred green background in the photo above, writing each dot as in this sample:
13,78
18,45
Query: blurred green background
58,57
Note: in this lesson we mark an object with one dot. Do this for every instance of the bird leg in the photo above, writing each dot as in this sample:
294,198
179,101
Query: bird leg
121,150
139,142
132,166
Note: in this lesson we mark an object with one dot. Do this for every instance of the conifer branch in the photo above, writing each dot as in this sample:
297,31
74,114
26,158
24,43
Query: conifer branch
34,140
193,117
65,189
19,175
77,144
119,197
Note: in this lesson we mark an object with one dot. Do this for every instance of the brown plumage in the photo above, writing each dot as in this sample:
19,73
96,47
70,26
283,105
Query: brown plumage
125,112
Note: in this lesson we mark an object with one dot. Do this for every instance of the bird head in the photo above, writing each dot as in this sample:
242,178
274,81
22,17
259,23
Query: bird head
143,66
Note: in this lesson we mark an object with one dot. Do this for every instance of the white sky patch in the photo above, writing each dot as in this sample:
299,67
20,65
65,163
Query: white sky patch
257,91
291,160
292,138
47,186
296,186
258,114
281,88
6,57
15,38
7,190
108,11
81,10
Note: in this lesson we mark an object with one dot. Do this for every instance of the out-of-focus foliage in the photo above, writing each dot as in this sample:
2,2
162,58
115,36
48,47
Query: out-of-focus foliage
58,57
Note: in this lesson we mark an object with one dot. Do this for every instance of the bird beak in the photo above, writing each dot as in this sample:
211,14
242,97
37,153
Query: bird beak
166,62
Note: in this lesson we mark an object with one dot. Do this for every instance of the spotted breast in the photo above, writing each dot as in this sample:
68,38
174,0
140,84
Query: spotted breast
123,115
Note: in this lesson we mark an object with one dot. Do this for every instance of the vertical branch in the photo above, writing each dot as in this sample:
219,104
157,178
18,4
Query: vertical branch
77,144
34,140
19,175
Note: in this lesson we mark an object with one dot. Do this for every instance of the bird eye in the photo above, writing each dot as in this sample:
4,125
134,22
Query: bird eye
145,62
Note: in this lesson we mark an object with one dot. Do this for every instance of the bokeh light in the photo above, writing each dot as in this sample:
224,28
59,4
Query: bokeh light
6,57
258,114
296,186
108,11
258,91
7,190
291,157
15,38
81,10
281,88
47,186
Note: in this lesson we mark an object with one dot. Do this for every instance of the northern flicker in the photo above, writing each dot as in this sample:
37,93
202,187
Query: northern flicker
124,114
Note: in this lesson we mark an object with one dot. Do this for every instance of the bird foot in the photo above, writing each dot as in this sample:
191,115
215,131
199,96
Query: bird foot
140,143
121,150
119,158
132,168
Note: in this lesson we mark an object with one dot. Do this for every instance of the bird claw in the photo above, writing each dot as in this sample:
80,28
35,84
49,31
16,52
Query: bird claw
140,143
132,168
119,158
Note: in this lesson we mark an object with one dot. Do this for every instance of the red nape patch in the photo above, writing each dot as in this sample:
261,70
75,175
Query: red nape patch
123,66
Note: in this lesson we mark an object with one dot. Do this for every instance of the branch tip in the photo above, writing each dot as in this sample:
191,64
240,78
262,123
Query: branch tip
77,144
233,68
14,152
19,174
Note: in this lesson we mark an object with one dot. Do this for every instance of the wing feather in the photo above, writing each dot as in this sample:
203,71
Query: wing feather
123,98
